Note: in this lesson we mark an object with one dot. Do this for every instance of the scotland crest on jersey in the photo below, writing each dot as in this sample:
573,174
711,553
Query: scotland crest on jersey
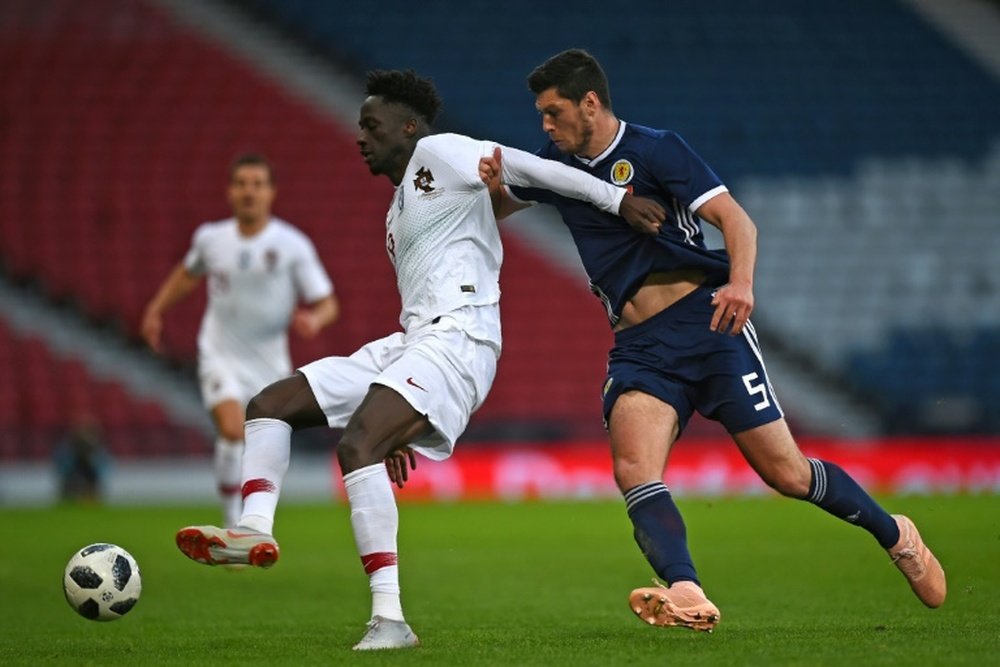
622,172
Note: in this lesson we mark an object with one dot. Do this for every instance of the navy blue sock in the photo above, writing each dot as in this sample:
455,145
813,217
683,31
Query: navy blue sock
835,491
660,532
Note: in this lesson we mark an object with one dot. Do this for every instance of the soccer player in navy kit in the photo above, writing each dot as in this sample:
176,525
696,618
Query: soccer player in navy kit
683,339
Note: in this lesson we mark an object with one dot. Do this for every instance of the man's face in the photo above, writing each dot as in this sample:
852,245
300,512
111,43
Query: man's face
567,123
381,136
251,192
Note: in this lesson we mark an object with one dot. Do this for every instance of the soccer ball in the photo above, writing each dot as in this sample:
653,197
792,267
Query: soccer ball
102,582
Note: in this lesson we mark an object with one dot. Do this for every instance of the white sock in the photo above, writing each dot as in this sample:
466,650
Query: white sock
265,462
375,520
228,466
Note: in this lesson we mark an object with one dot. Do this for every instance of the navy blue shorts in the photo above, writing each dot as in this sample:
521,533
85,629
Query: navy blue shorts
675,357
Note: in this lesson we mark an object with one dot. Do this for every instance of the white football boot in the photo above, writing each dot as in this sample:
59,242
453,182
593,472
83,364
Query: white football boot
385,633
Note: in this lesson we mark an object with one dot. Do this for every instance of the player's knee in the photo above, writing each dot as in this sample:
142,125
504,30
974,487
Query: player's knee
630,473
261,407
353,451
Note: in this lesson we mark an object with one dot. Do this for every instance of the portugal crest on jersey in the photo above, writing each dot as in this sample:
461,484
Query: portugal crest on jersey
424,179
621,172
271,260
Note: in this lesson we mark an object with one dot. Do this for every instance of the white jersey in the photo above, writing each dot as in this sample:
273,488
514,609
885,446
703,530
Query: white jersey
442,237
441,234
254,286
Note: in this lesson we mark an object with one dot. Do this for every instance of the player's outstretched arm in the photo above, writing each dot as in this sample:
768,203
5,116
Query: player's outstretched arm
176,286
515,167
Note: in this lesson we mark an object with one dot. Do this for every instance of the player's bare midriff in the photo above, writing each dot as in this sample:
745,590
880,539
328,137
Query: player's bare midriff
658,291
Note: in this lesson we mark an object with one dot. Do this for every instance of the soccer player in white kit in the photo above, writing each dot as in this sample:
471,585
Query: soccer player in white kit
259,269
414,389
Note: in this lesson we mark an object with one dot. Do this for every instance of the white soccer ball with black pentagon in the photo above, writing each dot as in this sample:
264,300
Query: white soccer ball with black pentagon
102,582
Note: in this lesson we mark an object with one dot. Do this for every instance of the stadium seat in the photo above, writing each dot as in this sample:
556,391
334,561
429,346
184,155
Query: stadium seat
37,409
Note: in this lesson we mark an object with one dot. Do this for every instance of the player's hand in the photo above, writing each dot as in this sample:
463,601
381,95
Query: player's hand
305,323
644,215
733,303
151,330
396,465
490,168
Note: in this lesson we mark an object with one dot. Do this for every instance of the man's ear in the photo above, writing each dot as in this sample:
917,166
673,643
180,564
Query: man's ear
591,103
410,127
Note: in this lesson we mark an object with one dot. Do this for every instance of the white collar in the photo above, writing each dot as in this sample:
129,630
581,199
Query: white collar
607,151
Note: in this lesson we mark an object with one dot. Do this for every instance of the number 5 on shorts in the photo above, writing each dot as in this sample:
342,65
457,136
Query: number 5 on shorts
753,389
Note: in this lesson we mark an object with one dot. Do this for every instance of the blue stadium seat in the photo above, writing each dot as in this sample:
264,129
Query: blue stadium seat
777,87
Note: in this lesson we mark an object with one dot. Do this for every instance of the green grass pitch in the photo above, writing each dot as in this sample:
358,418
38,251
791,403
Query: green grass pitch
513,584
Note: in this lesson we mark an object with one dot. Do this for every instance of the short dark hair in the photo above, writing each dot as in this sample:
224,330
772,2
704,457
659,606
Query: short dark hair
573,73
250,160
406,87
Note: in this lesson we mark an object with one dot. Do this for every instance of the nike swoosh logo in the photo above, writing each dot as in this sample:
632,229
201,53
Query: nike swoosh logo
235,535
410,382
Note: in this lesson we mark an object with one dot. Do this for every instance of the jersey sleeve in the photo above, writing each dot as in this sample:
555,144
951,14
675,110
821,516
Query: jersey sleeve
531,171
311,279
681,172
194,260
530,195
454,159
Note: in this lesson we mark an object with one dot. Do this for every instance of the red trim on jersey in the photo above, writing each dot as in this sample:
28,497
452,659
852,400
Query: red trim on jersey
378,560
259,485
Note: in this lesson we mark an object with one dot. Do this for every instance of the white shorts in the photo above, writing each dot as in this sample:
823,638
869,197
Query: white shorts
439,369
224,379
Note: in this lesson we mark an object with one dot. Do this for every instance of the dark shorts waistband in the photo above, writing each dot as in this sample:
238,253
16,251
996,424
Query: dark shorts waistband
637,330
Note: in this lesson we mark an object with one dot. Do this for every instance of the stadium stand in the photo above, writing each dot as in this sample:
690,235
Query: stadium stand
894,284
36,410
119,127
118,123
762,87
106,196
949,388
827,119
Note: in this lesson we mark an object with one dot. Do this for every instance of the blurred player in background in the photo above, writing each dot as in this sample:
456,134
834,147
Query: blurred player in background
683,339
416,387
259,268
81,459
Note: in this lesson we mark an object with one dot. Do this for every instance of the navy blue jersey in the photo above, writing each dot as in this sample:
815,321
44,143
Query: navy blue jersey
657,164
